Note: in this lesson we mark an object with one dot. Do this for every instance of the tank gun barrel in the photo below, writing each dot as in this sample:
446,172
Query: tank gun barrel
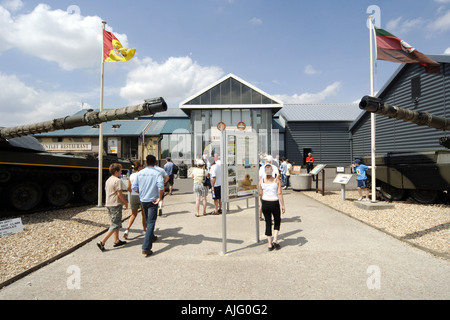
150,106
375,105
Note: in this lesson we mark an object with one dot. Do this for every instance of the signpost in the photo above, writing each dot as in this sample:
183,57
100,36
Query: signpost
240,178
317,169
343,180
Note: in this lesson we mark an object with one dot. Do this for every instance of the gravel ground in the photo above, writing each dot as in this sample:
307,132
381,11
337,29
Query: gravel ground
46,235
49,234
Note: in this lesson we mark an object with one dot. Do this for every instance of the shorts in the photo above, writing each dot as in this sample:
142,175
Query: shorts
217,193
362,184
171,180
135,203
115,215
200,190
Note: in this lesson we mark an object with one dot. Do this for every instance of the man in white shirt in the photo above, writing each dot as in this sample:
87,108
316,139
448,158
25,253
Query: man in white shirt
216,182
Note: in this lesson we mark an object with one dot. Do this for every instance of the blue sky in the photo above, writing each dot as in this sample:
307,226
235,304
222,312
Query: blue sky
298,51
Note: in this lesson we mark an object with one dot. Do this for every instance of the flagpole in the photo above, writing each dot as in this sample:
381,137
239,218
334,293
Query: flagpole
100,137
372,115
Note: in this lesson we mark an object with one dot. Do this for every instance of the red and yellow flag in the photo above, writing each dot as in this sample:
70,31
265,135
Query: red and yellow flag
113,50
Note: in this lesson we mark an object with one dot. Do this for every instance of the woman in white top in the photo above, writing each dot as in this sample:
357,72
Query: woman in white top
201,192
135,203
271,198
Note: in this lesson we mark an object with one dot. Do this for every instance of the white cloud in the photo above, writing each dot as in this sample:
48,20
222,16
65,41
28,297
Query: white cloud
400,26
309,70
71,40
22,104
256,21
447,51
329,91
12,5
175,80
442,23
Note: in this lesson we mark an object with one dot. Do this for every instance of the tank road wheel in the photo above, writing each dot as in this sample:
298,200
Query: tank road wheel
392,193
25,196
426,196
87,191
58,193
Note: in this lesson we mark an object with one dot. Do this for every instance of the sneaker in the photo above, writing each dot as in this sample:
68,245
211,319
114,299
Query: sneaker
120,243
366,199
100,246
360,199
276,245
125,234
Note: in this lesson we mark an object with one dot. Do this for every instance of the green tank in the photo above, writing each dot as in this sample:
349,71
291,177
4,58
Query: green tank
423,175
30,176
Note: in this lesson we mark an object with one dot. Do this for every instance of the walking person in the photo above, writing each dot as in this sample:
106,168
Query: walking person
114,202
216,185
165,180
283,169
272,205
150,186
168,167
288,173
135,203
199,176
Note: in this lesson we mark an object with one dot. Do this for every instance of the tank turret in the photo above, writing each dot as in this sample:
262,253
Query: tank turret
31,177
375,105
150,106
423,175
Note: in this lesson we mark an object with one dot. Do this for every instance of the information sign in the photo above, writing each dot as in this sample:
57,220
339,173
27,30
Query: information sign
343,178
317,169
9,227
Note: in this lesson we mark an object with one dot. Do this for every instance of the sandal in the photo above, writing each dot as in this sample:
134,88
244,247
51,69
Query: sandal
276,245
214,213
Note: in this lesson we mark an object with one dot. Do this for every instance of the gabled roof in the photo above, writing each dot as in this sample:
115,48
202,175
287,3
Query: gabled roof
231,92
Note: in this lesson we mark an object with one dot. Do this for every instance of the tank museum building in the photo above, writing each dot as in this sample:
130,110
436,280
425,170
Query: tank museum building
334,134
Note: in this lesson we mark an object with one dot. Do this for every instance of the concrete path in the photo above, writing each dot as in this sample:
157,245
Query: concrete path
324,255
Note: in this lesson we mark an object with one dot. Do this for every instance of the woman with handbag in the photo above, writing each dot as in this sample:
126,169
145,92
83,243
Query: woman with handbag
201,177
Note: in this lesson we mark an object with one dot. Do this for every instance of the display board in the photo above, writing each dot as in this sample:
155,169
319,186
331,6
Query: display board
317,169
343,178
242,165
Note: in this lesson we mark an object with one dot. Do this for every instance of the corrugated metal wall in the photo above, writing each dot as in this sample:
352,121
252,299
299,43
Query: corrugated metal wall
329,142
398,135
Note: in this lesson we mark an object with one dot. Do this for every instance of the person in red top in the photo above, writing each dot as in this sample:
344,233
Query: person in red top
310,163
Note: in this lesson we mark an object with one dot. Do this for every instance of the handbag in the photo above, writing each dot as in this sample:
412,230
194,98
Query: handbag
206,180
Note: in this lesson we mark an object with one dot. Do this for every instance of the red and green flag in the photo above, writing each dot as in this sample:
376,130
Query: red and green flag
391,48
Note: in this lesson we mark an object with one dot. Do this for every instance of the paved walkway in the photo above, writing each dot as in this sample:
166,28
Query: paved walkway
324,255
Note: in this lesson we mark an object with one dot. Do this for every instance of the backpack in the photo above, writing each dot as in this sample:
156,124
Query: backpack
174,169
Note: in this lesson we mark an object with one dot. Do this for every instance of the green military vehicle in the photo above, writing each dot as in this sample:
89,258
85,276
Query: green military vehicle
423,175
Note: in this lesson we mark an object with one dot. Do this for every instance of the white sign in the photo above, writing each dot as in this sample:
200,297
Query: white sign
343,178
68,146
9,227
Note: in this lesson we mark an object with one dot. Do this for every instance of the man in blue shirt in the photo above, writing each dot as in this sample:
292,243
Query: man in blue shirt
360,170
168,168
150,186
